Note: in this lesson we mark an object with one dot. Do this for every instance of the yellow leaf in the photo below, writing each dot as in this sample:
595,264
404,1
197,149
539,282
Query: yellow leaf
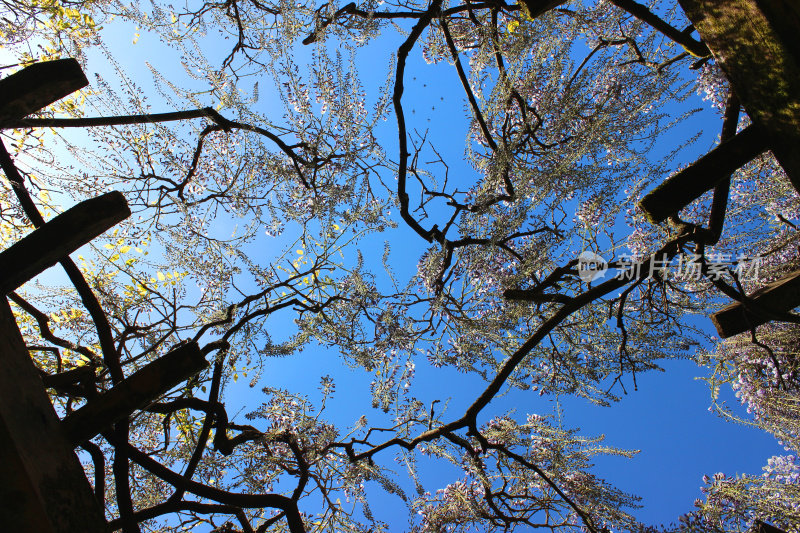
109,246
160,276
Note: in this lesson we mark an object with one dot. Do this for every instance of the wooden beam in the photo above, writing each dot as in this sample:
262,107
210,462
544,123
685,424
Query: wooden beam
37,86
779,296
59,237
686,186
763,527
43,487
137,391
757,44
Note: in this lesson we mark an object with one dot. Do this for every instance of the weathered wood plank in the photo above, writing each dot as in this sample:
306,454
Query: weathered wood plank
37,86
59,237
778,297
140,389
757,44
43,487
686,186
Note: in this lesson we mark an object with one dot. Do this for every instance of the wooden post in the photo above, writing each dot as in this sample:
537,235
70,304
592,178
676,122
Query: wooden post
135,392
43,487
58,238
779,296
38,86
686,186
757,44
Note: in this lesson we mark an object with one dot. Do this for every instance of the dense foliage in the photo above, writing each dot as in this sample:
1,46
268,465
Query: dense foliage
260,229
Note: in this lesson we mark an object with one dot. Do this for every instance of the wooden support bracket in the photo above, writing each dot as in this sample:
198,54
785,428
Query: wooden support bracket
59,237
43,487
779,296
37,86
137,391
686,186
